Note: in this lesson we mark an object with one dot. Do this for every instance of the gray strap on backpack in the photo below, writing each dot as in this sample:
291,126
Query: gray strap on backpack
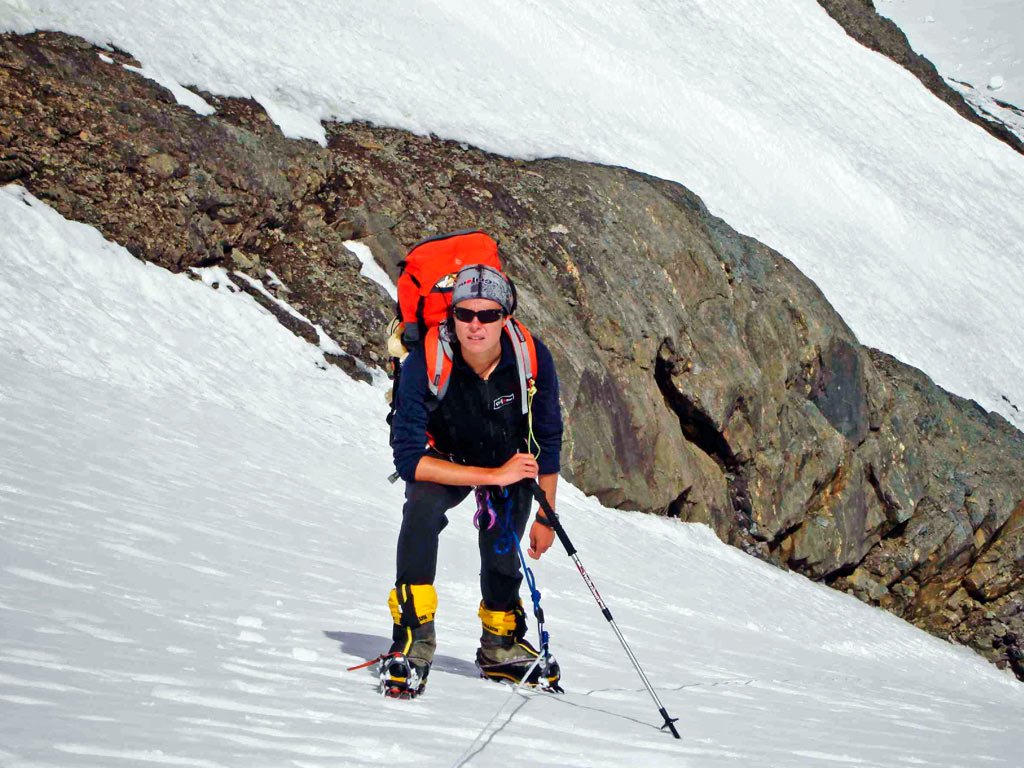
522,361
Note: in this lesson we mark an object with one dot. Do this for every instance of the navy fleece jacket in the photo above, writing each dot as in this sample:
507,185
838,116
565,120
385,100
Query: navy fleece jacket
411,415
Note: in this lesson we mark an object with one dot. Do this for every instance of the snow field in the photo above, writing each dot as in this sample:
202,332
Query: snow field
977,42
197,538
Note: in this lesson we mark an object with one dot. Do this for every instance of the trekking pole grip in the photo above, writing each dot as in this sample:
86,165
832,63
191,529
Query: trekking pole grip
549,512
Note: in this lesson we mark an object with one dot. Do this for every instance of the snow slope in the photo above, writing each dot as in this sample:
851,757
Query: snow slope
980,42
976,46
908,217
196,538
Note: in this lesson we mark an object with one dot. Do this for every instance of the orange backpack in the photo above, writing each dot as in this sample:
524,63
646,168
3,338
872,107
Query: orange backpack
425,288
428,277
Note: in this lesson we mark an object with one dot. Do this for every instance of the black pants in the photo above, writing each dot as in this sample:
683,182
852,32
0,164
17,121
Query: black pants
424,516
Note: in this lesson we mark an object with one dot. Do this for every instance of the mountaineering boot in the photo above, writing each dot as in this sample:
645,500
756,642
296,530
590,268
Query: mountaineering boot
403,673
506,656
404,670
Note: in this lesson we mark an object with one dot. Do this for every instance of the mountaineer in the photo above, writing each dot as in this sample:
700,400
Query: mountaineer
475,409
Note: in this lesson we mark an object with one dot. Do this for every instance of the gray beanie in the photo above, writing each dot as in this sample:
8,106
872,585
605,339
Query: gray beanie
479,281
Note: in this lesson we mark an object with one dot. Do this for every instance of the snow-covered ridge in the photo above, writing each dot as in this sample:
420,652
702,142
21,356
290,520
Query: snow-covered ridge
989,107
907,217
980,43
197,537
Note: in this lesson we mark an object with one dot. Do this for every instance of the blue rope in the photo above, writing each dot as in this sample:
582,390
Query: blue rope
504,543
502,546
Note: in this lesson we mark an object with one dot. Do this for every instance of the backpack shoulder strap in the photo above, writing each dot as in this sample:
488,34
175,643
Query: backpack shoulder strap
438,351
526,359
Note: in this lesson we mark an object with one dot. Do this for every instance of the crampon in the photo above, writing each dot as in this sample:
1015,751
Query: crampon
543,676
401,677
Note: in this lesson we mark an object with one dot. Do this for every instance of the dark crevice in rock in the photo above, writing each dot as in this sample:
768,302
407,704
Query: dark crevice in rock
839,573
677,505
739,495
700,430
780,538
696,425
1016,657
897,531
822,489
798,564
893,510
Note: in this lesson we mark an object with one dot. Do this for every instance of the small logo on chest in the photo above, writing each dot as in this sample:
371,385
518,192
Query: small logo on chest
504,400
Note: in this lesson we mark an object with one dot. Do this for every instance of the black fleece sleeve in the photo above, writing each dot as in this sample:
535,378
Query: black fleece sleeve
409,427
547,412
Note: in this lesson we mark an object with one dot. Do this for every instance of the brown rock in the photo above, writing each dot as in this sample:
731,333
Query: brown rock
1000,568
162,165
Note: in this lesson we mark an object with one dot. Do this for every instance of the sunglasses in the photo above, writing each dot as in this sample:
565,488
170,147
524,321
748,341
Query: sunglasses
485,316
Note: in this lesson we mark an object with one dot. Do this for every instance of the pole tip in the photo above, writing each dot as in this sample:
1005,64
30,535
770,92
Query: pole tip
670,723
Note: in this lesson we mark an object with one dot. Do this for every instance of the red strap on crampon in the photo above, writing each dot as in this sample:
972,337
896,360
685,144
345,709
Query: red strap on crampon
371,662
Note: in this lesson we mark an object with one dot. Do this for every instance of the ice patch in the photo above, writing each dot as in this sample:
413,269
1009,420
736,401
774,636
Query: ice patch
304,654
215,277
294,124
181,94
325,342
371,269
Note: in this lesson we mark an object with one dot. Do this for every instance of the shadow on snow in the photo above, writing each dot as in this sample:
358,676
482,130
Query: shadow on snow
370,646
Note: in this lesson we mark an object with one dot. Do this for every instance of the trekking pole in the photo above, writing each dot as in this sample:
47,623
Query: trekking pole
538,493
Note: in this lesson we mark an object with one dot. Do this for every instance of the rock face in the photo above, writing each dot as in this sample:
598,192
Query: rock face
867,27
112,149
703,376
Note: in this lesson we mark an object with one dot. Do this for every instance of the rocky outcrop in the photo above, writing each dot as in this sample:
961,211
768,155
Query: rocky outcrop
956,565
863,23
110,148
702,375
